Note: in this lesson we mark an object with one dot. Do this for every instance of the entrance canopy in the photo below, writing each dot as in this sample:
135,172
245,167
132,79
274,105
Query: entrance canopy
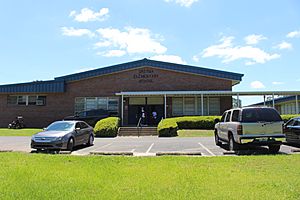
166,94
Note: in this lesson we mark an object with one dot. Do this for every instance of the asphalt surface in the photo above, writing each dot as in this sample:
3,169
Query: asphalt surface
148,146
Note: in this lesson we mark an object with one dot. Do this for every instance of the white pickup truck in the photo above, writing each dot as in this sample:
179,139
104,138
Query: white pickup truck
261,126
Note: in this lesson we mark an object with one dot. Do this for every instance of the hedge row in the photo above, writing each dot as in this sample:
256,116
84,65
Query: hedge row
286,118
168,127
107,127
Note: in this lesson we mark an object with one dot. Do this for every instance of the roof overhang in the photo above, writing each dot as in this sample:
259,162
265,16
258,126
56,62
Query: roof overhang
207,93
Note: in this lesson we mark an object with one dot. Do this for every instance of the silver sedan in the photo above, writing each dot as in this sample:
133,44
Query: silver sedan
63,135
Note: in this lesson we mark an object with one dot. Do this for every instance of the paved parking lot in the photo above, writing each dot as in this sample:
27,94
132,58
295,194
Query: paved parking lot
147,146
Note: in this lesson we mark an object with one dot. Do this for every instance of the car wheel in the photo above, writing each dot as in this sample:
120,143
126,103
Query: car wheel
217,140
70,144
233,146
91,140
274,148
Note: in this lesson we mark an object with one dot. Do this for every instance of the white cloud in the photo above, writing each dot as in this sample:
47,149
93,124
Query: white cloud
196,58
284,45
87,15
132,40
169,58
254,39
184,3
84,69
102,44
277,83
112,53
229,52
293,34
71,31
257,85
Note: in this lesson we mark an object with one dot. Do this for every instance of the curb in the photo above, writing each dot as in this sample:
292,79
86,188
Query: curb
6,150
106,153
229,152
176,153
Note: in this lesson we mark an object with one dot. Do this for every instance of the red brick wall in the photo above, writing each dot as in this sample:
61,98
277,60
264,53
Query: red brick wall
61,105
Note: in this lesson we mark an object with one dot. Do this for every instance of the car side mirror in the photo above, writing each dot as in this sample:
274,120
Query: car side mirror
44,129
77,129
217,120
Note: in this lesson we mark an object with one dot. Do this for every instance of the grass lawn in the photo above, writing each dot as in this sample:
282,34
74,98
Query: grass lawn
18,132
195,133
40,176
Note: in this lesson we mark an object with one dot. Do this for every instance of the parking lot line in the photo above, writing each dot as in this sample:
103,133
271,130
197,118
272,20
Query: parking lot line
206,149
150,148
104,146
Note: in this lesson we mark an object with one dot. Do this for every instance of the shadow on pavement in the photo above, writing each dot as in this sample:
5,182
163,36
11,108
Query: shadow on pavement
251,150
54,151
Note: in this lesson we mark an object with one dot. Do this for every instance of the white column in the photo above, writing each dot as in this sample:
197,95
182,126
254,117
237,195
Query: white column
273,101
165,102
208,105
202,111
297,105
122,109
196,106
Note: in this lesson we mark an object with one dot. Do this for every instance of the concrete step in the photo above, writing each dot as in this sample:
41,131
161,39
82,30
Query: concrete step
134,131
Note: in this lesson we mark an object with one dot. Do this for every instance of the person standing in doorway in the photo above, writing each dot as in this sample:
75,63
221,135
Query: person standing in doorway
143,116
154,117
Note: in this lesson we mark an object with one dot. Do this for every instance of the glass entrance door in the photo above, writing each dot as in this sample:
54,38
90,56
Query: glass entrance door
153,108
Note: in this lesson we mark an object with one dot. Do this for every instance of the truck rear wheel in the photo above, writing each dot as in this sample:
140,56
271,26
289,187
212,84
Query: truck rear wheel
233,146
274,148
217,139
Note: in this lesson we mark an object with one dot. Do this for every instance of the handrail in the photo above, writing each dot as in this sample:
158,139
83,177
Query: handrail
138,126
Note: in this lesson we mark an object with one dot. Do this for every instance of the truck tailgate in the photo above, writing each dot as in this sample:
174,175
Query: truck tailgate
262,128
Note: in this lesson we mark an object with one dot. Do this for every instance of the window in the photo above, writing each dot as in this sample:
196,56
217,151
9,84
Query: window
113,105
235,116
228,117
96,105
26,100
223,117
177,106
83,125
102,103
260,115
189,106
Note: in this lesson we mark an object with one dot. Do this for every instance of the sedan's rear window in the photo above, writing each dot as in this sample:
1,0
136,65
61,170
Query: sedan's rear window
260,115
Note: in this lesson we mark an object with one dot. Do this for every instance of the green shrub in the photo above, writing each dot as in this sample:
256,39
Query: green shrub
196,122
167,128
286,118
107,127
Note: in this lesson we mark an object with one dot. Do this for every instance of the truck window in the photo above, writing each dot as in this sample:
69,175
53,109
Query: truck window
235,116
228,117
260,115
223,117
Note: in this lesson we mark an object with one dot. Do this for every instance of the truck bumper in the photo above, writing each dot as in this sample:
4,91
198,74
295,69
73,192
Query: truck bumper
262,139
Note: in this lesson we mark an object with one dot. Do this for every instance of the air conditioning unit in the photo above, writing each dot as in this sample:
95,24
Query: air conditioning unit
40,102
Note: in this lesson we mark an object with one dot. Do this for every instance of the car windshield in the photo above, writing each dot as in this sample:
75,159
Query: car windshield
260,115
60,126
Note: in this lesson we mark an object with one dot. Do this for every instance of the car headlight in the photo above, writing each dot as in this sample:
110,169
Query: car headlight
58,138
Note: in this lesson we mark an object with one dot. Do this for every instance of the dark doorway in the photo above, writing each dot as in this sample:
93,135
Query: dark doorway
135,113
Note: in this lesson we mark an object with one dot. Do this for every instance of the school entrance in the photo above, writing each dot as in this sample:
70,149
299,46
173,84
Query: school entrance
152,107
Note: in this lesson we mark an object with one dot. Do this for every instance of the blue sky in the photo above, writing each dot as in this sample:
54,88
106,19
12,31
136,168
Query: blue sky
44,39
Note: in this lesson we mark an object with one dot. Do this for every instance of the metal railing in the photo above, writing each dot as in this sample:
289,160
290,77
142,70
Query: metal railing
139,126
